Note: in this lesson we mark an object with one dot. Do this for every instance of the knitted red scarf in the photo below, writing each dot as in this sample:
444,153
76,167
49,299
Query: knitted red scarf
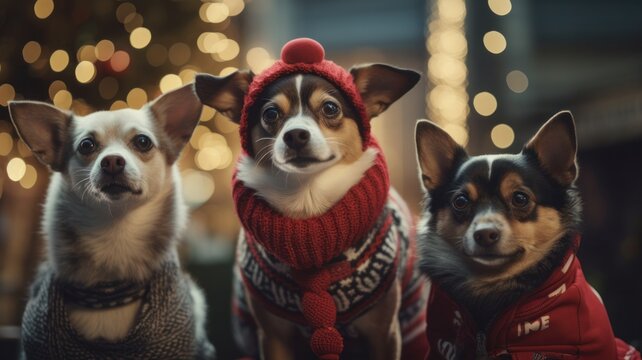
308,245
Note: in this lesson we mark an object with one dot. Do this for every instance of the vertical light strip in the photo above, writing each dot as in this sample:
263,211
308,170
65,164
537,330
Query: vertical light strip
447,47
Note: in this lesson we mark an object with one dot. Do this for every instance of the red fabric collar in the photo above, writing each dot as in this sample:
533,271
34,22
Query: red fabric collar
313,242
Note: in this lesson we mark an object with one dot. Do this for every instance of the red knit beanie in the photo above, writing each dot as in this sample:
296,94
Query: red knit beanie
305,56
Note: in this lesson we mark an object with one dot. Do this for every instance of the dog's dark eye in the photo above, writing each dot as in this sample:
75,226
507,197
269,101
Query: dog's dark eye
86,146
520,199
461,202
143,143
271,114
330,109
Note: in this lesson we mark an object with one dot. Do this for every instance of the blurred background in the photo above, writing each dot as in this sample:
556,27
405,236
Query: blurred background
494,71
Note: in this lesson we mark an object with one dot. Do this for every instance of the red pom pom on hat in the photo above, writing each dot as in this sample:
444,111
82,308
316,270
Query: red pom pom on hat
302,50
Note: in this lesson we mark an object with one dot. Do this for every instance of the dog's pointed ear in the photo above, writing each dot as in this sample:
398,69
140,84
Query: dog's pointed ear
437,154
178,113
224,93
44,128
555,146
380,85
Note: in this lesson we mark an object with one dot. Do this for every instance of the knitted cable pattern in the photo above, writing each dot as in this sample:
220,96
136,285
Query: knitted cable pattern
164,329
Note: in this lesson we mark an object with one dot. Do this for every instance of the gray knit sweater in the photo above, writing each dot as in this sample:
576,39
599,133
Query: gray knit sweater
165,328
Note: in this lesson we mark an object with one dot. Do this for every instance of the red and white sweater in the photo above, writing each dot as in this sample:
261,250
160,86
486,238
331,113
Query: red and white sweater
562,319
323,272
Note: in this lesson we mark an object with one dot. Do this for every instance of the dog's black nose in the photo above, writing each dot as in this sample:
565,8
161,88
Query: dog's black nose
296,138
486,237
112,164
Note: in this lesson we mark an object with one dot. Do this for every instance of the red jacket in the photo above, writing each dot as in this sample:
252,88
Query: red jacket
562,319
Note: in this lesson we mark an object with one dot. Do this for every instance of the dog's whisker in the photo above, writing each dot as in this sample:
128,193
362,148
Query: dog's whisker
266,138
267,153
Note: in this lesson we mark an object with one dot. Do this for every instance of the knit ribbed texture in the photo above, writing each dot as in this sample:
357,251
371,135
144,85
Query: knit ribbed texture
308,244
312,242
298,49
165,328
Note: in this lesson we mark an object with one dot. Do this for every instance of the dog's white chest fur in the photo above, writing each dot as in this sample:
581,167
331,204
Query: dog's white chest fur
296,194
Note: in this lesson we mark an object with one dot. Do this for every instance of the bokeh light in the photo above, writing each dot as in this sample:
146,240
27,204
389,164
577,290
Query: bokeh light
16,169
196,134
59,60
117,105
179,54
136,98
63,99
140,37
86,53
494,42
207,159
517,81
227,70
133,21
258,59
206,41
85,72
502,136
207,114
225,50
6,143
104,50
56,86
485,103
30,177
119,61
43,8
198,187
23,149
457,132
187,75
124,10
500,7
7,93
31,52
224,125
214,12
235,7
170,82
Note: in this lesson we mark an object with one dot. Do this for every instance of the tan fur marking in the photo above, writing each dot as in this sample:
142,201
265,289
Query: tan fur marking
536,238
346,139
342,133
513,182
282,102
448,229
471,189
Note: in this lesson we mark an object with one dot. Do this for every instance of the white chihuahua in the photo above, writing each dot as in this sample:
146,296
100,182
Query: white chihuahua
111,285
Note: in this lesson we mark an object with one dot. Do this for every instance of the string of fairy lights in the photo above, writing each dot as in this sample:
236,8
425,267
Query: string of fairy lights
105,62
447,97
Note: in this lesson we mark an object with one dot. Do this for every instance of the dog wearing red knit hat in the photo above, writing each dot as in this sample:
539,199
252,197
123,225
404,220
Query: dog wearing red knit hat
326,257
